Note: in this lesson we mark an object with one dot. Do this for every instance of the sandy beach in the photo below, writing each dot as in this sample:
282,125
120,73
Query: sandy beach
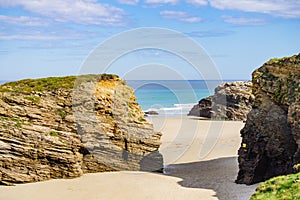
200,158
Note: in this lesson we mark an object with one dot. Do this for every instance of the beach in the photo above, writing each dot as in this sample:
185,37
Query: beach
200,158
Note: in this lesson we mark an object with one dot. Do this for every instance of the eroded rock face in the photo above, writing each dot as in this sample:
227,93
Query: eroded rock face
271,136
231,101
48,131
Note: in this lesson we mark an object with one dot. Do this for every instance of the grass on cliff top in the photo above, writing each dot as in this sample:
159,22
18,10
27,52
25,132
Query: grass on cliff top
281,187
294,60
51,83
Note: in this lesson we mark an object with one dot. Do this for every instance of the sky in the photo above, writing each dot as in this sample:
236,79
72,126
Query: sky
41,38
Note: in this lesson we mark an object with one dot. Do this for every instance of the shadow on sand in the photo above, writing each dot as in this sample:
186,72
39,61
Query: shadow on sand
218,175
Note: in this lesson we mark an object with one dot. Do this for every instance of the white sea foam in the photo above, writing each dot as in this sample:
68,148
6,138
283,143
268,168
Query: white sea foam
186,105
176,110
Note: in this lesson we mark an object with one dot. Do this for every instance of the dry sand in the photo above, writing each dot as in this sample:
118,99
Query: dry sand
201,163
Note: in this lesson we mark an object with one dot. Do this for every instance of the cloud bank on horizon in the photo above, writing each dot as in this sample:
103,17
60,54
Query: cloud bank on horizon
70,28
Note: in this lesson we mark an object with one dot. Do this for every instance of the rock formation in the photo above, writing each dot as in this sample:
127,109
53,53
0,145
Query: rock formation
49,130
231,101
271,136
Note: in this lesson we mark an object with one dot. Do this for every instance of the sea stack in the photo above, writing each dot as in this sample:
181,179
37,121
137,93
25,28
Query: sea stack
231,101
51,129
271,136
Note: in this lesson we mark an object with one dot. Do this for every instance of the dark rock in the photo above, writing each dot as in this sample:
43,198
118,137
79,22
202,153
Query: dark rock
231,101
151,112
202,109
271,136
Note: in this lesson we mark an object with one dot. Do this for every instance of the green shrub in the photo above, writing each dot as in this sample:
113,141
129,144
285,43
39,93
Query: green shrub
281,187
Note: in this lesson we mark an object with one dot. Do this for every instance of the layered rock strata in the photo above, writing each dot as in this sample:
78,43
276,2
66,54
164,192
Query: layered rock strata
51,129
231,101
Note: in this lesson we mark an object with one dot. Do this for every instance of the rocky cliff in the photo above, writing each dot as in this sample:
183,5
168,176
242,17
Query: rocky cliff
51,129
231,101
271,136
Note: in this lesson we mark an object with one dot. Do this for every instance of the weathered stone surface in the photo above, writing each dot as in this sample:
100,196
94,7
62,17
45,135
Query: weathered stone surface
271,136
48,130
231,101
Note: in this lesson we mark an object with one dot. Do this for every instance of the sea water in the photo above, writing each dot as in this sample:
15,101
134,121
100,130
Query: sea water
171,98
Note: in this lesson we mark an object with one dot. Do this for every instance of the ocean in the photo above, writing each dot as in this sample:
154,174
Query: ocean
171,98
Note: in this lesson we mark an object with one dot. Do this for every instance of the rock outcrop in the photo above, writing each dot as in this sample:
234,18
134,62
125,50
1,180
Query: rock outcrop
49,130
231,101
271,136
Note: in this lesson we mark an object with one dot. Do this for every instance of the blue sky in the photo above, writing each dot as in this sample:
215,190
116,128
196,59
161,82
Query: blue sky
40,38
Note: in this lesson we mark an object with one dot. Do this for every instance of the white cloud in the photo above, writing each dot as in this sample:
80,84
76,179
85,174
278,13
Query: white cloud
77,11
243,20
129,2
179,15
23,20
283,8
30,37
197,2
43,33
162,1
210,33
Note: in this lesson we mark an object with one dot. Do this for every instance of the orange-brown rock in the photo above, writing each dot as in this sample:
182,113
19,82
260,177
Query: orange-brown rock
50,128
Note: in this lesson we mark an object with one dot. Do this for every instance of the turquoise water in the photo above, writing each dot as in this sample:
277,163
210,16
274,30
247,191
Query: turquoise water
171,98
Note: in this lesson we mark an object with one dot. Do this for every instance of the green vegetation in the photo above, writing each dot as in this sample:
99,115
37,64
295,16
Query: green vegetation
33,98
110,118
53,134
278,94
286,90
62,114
39,85
51,83
276,61
281,187
257,74
285,86
17,122
292,61
141,119
64,142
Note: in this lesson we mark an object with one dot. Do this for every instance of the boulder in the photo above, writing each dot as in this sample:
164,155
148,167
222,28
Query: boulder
231,101
151,112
